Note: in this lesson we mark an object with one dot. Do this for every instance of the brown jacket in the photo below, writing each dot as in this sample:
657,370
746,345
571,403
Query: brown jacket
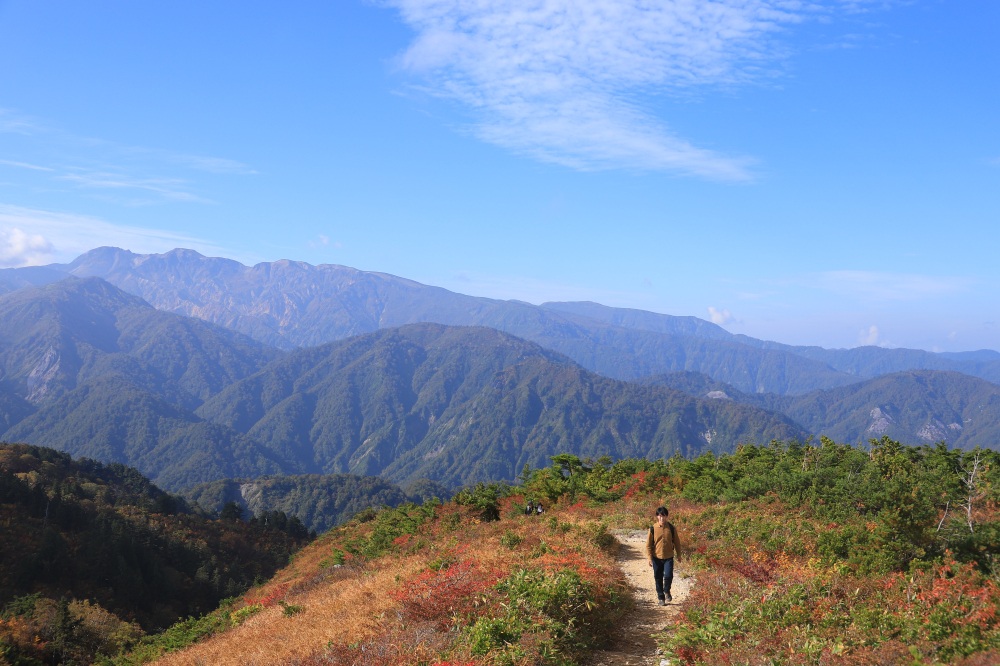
662,542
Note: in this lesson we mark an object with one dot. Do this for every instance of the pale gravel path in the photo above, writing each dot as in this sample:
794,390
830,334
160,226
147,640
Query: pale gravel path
635,645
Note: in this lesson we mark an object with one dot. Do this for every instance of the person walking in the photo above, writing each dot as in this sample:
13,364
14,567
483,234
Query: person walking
662,546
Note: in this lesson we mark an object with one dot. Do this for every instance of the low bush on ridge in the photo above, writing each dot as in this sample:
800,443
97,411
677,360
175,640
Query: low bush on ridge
804,554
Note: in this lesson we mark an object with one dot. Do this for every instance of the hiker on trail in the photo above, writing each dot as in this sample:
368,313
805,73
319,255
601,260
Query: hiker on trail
662,546
538,508
530,509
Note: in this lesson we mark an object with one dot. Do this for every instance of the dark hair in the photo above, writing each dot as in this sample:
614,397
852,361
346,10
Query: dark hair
661,511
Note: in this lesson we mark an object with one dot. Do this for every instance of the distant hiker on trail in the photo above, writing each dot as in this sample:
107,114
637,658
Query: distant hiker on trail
530,509
538,508
661,547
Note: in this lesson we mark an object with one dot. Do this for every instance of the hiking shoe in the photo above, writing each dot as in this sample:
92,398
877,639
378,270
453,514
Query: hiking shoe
669,598
662,602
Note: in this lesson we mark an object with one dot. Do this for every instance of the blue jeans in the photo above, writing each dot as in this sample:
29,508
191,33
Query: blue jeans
663,572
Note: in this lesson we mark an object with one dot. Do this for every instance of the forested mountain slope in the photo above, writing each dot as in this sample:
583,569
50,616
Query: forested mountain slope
96,372
58,336
319,501
459,404
91,370
81,529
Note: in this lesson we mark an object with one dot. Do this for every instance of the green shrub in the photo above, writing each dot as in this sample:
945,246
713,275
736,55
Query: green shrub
240,616
176,637
288,610
510,539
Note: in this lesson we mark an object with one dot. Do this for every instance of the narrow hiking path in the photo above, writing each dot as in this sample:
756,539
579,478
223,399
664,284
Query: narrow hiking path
635,645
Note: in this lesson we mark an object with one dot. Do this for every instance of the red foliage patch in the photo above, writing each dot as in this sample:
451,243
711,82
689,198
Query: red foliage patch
277,593
442,595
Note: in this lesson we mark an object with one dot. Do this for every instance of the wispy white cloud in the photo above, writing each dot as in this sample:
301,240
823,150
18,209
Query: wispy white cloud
720,317
12,122
25,165
205,163
30,237
125,174
172,189
323,241
561,80
891,286
212,164
869,337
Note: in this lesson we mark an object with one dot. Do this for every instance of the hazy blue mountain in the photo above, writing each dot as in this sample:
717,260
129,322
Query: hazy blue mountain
60,335
917,407
12,279
293,304
89,369
642,320
290,304
867,362
459,404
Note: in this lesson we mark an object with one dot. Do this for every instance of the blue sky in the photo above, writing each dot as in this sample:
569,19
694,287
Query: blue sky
821,172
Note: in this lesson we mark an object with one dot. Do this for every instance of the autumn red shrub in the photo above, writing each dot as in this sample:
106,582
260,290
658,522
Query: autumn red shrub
276,593
443,595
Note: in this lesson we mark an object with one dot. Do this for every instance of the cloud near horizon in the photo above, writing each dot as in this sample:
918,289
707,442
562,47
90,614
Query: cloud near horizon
562,81
869,337
30,237
719,317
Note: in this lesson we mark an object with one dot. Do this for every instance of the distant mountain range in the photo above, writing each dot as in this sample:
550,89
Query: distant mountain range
96,372
289,304
195,369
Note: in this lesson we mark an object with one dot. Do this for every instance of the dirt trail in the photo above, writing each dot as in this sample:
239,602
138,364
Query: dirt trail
635,645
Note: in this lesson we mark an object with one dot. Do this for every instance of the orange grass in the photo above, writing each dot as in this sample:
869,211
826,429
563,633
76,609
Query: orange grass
401,608
346,610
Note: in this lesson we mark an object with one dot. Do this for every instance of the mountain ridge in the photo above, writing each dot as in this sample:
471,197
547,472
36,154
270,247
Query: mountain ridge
290,304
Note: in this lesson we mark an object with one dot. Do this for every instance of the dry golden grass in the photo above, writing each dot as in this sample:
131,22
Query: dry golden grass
355,604
344,609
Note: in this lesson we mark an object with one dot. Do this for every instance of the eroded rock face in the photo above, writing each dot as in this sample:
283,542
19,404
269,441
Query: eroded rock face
718,395
933,431
881,422
253,495
42,376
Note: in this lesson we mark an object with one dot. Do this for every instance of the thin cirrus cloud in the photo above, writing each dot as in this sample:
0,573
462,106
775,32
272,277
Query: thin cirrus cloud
563,81
171,189
125,174
891,286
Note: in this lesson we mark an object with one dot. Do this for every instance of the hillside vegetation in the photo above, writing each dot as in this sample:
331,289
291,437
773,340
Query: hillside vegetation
803,554
320,501
460,405
92,556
